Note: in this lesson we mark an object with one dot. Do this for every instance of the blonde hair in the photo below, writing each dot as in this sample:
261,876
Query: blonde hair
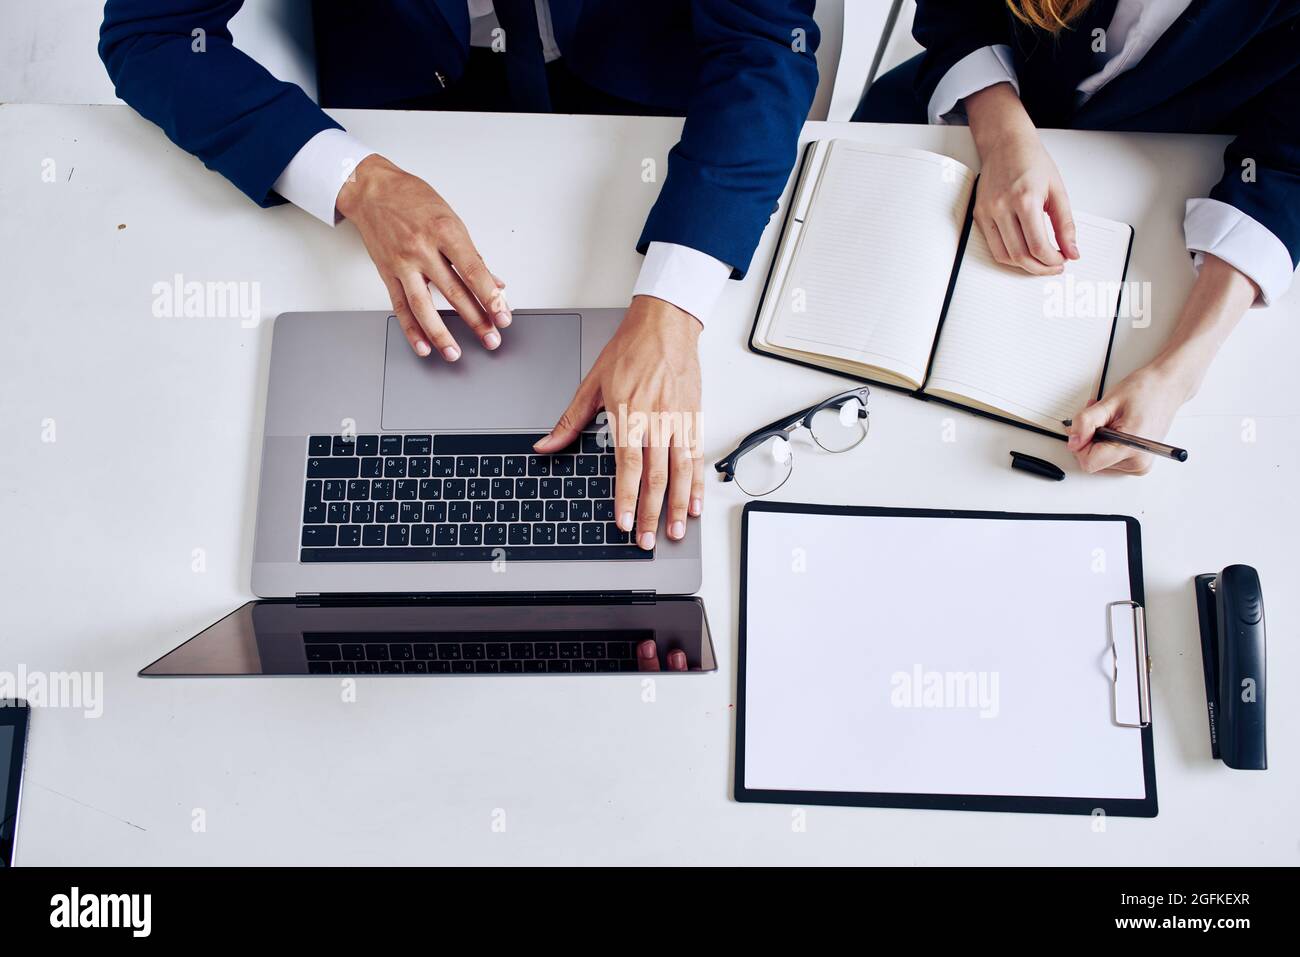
1050,15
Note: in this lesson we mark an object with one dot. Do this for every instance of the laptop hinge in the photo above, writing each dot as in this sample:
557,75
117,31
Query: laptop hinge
632,596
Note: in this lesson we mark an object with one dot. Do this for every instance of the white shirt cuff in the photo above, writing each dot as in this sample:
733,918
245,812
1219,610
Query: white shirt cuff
1215,227
317,172
689,279
976,71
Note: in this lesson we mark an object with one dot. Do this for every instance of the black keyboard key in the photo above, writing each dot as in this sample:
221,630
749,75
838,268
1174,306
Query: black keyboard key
473,651
591,441
350,536
507,511
494,534
359,490
484,512
584,666
430,489
390,667
486,667
442,466
313,492
400,651
372,468
372,535
354,652
435,512
406,490
478,488
367,667
619,649
318,667
444,534
399,535
467,466
367,445
471,534
599,488
551,488
394,467
390,445
534,667
530,511
544,650
593,649
515,465
318,445
603,510
363,513
317,651
503,488
333,468
539,465
562,465
414,668
313,513
417,445
339,513
498,651
458,511
521,649
607,465
462,667
580,511
421,534
453,488
381,490
557,511
448,651
418,466
525,488
386,512
575,488
567,533
615,535
320,536
520,534
588,465
334,490
593,533
344,446
489,466
560,667
439,667
512,667
425,652
543,533
607,665
410,512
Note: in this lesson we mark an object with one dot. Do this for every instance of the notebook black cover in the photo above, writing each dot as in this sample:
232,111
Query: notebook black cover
938,333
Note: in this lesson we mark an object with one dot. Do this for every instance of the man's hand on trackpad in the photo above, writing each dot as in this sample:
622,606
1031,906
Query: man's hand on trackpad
416,239
647,379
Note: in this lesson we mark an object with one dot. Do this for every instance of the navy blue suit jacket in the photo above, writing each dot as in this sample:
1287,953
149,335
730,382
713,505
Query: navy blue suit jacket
730,66
1225,66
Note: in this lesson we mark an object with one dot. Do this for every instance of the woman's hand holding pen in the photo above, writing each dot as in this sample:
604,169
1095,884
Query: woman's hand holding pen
1018,183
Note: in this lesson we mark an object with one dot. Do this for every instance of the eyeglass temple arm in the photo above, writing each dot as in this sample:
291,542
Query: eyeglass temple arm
725,464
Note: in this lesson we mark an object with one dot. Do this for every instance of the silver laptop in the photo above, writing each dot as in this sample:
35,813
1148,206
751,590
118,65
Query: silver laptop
406,526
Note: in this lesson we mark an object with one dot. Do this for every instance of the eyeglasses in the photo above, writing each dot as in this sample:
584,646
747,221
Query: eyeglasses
763,460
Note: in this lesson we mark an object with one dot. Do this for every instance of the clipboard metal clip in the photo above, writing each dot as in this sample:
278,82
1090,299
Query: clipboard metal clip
1142,664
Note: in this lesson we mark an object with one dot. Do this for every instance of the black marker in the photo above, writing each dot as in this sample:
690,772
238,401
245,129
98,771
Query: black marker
1031,463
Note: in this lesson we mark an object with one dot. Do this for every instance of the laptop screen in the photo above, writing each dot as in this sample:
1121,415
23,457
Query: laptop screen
283,637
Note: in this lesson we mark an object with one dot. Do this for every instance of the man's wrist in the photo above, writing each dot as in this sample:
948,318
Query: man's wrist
663,312
352,194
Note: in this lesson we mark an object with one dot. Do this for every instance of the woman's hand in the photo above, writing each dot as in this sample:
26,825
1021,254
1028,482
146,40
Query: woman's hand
1144,404
1018,183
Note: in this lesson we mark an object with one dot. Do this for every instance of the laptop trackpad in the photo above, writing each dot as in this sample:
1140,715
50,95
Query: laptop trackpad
526,384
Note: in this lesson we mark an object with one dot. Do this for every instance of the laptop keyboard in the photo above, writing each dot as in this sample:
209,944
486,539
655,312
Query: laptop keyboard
459,497
586,652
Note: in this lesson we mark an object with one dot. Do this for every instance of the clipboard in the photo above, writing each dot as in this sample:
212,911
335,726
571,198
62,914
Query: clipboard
943,659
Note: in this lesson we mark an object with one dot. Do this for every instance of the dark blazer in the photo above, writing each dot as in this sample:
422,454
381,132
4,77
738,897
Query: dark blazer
730,67
1225,66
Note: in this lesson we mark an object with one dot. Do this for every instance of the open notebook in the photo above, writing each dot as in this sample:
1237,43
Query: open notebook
879,276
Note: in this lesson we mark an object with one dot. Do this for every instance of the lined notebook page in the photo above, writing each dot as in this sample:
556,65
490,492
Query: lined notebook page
874,257
1032,347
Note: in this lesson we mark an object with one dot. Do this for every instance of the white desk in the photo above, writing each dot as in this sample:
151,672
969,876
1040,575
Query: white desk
157,430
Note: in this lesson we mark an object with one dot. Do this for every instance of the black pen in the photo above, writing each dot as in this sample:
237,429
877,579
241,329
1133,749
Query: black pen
1104,434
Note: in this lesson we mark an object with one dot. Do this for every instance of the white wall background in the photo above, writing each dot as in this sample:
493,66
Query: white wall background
48,55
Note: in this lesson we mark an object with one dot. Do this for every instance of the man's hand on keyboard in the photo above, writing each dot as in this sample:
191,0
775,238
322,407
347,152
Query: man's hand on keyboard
647,379
647,657
415,239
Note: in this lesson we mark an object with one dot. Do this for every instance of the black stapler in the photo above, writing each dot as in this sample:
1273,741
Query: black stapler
1231,610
